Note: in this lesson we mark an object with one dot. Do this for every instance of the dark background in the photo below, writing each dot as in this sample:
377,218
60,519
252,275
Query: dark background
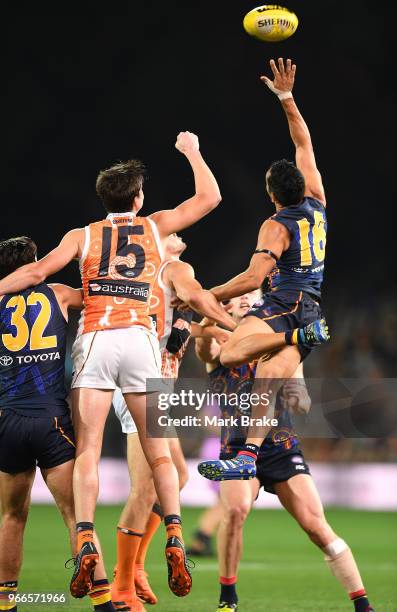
87,84
83,89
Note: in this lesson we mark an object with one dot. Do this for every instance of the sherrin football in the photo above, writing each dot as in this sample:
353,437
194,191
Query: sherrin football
270,23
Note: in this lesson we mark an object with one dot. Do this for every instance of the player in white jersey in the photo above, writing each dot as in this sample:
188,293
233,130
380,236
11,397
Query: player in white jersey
176,279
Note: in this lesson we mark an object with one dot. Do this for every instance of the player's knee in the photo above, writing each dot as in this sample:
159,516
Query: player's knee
236,515
15,517
316,528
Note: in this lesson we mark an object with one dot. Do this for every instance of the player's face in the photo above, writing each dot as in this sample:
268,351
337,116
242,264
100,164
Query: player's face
175,245
242,304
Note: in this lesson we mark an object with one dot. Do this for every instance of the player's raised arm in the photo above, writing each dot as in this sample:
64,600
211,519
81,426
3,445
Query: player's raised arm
282,85
206,198
35,273
180,275
273,239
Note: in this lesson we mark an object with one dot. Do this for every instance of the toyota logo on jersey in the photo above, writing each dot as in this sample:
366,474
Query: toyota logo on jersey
6,360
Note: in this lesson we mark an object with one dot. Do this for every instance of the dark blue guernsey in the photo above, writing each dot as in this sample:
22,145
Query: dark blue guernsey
301,266
238,381
32,353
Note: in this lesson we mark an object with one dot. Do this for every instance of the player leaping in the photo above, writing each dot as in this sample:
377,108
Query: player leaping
119,260
282,328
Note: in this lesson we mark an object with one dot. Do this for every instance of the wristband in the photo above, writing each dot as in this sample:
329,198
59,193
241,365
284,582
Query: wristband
284,95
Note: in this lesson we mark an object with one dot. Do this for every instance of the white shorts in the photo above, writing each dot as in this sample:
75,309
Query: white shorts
123,414
122,357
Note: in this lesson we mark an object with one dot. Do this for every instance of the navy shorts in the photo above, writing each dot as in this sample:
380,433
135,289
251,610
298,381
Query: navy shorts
287,310
29,441
280,467
276,466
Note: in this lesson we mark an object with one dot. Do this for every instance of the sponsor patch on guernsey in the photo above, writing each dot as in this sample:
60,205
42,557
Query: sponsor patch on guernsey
132,290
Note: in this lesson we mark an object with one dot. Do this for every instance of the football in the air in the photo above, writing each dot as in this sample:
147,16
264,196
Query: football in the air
271,23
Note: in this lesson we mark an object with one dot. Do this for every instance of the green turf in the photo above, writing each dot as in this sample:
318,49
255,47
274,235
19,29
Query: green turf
281,569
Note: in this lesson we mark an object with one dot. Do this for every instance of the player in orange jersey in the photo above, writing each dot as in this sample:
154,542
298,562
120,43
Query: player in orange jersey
175,278
119,259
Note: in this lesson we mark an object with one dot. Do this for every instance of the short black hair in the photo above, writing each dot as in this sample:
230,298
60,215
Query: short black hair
286,182
118,185
16,252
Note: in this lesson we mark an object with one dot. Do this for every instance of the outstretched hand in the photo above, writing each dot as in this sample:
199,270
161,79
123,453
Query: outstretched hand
284,78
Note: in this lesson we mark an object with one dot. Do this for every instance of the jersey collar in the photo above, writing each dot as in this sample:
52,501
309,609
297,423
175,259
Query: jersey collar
113,217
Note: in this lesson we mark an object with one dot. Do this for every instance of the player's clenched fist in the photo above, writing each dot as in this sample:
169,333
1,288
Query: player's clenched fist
187,142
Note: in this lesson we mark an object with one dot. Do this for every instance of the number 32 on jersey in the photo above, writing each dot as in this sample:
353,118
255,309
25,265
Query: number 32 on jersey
35,336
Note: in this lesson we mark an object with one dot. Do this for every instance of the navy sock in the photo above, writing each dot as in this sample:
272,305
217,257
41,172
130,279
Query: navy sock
251,450
229,593
9,588
361,604
106,607
172,519
84,527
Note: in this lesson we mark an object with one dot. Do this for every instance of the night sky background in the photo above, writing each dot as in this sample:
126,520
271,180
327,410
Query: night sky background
84,89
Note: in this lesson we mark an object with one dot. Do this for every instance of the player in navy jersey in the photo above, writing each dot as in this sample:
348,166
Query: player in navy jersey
35,424
281,329
281,470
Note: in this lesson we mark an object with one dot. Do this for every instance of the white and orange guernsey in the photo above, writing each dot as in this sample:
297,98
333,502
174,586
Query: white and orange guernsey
173,327
119,265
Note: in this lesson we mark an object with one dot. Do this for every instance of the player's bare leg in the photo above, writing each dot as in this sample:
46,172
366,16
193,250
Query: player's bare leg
14,504
90,410
166,482
300,497
237,499
59,481
141,503
254,338
132,525
271,374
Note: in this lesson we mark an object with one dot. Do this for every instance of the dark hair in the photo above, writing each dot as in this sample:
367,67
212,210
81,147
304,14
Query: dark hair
16,252
286,182
118,185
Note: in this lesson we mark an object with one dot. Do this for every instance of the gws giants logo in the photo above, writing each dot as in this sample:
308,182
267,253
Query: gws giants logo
6,360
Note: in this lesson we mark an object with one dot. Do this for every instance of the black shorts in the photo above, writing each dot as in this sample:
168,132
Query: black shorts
286,310
29,441
280,467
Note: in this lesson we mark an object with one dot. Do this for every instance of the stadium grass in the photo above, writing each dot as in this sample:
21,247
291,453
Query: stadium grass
281,569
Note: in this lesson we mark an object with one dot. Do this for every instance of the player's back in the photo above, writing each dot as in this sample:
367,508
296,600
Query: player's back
301,266
119,266
32,353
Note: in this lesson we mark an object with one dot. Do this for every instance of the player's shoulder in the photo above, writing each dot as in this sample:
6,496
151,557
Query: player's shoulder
179,267
67,295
